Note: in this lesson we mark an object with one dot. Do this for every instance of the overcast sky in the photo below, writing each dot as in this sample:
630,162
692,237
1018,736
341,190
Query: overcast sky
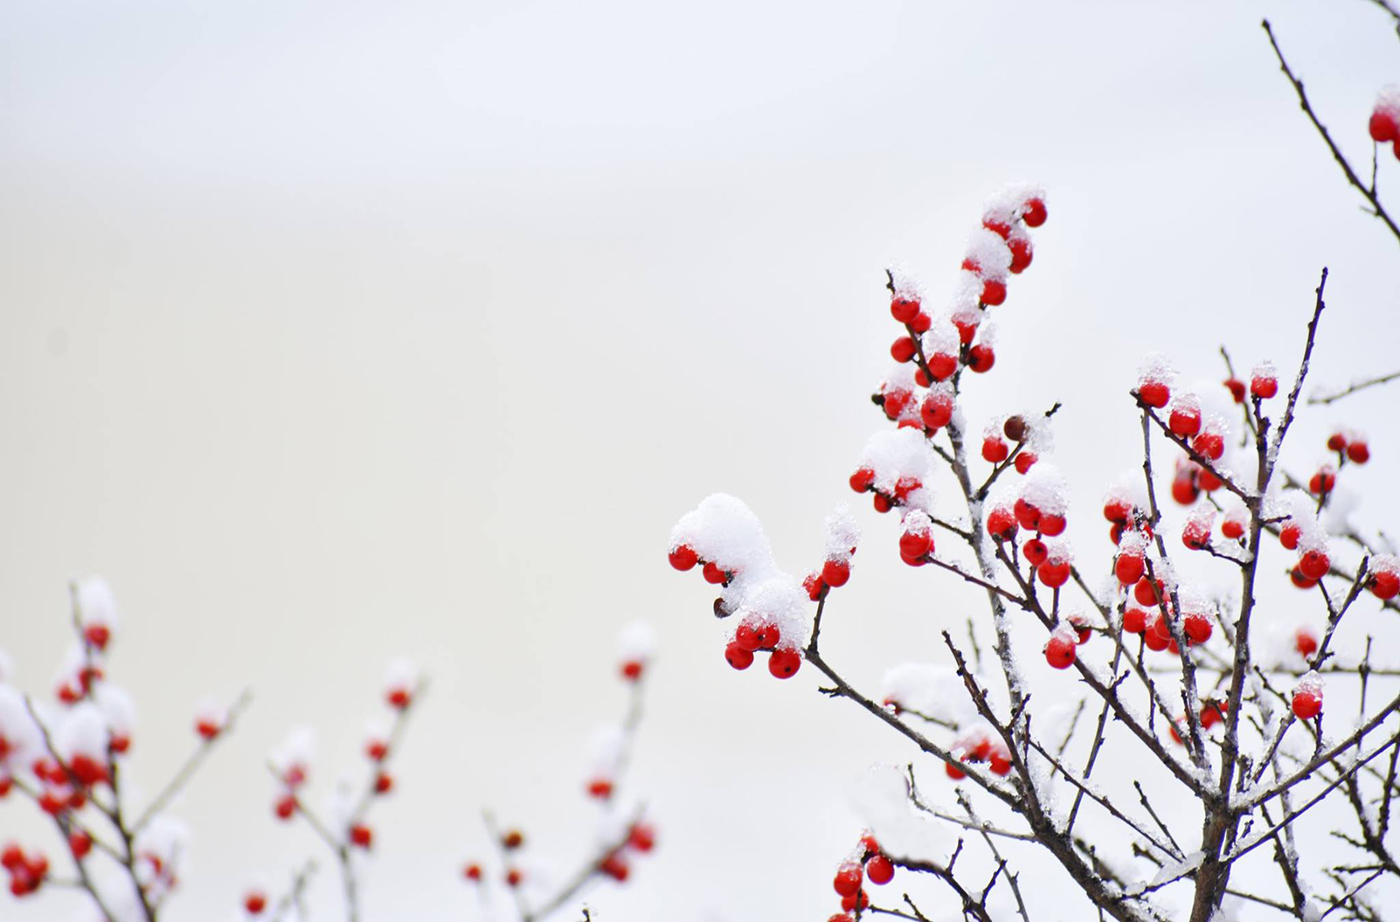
336,331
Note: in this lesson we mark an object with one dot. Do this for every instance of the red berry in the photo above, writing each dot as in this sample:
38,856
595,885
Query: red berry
1034,214
997,227
97,635
1146,593
79,843
914,545
1024,461
922,378
1154,394
383,783
1289,535
472,872
513,839
1001,523
1195,534
1232,528
869,845
1307,703
1060,652
1305,641
857,899
1153,640
936,411
1357,452
861,480
615,867
1314,564
513,877
631,670
683,557
1027,515
1134,621
841,917
1196,627
941,366
1236,387
206,728
399,698
1209,444
921,322
361,835
376,750
957,774
894,401
286,805
882,502
783,664
1213,713
88,770
1129,567
1053,573
904,309
981,358
902,349
255,903
1000,761
994,450
879,870
1185,422
1035,551
1322,482
1052,524
1116,510
967,330
1384,584
993,293
1337,441
713,573
814,586
642,837
1263,386
1184,490
836,572
1020,254
1299,580
1208,481
848,879
1082,630
1383,127
737,656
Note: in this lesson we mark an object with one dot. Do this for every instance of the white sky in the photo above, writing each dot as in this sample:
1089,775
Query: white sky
331,332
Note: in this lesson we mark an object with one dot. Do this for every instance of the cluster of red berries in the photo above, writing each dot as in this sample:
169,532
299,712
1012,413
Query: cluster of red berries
66,787
683,557
757,633
978,746
1385,120
1313,563
1051,562
868,861
863,481
835,573
995,448
27,871
641,838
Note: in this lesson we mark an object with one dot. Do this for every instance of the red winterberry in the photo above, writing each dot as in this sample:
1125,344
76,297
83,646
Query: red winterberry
472,872
1305,641
97,635
737,656
783,664
1116,510
255,903
1185,422
1035,552
1147,591
921,323
642,837
286,805
1307,702
936,410
383,783
683,556
1184,489
1299,580
993,292
1322,482
903,309
1263,386
1289,535
861,480
1034,214
915,545
1196,627
902,349
1383,127
631,670
615,866
1020,254
206,728
1001,523
513,877
1052,524
1024,460
1384,584
981,358
1053,573
1027,515
848,879
79,843
1134,621
1060,651
879,870
1154,393
994,450
1129,567
941,365
1357,452
1314,564
713,573
399,698
1337,441
836,572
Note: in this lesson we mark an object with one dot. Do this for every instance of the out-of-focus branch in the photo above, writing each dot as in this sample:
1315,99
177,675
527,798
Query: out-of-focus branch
190,766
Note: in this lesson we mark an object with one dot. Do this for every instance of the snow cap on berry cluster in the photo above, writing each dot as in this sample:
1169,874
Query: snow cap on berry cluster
212,711
1187,403
1201,519
1058,550
1008,204
934,691
82,732
1384,563
605,752
637,642
23,742
941,338
1065,632
1264,369
1312,536
842,533
722,529
1309,683
71,669
1134,542
294,752
916,522
118,709
903,453
1156,368
905,286
1128,489
990,253
966,304
160,845
97,605
1045,488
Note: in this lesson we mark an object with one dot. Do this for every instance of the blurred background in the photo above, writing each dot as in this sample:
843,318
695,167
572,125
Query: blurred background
336,332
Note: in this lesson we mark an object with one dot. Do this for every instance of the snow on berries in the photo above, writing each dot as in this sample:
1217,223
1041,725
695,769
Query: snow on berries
1263,381
210,718
1195,534
291,759
96,608
1383,576
842,537
770,606
635,647
895,466
1054,570
1385,118
401,683
916,543
1041,505
1307,696
607,749
1155,379
1060,649
1185,417
81,742
26,870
